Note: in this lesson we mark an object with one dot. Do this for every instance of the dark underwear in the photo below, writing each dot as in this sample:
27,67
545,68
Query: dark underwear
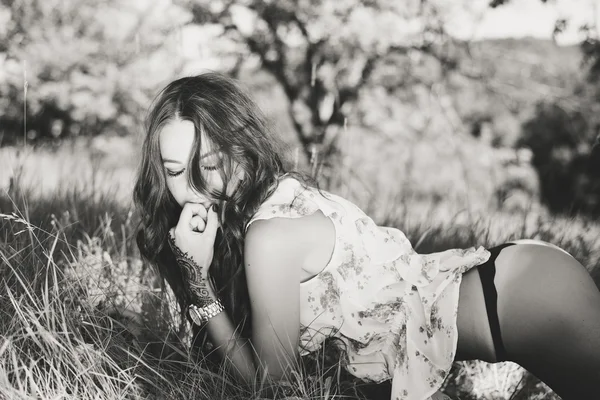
487,272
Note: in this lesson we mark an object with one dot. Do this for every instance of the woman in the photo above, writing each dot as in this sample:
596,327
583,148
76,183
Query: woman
271,266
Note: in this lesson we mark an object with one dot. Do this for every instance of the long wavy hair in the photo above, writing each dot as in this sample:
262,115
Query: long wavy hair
227,117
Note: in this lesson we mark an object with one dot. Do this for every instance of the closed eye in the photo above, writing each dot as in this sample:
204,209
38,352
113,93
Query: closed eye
175,173
213,165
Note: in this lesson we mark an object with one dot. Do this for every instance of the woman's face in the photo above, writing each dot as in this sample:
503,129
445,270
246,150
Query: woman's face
176,140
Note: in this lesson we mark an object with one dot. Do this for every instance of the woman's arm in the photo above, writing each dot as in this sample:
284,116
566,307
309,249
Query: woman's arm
275,252
195,235
233,348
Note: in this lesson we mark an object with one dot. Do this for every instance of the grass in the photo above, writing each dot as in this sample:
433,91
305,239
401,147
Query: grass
82,317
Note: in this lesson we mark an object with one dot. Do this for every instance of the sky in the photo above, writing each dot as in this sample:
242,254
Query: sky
520,18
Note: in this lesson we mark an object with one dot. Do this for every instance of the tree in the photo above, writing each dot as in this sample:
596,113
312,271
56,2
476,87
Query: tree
323,53
555,135
71,67
565,155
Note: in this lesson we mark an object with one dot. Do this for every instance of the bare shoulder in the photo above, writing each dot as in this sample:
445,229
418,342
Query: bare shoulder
280,240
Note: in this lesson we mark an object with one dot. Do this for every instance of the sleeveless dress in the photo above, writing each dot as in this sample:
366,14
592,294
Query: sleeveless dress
394,310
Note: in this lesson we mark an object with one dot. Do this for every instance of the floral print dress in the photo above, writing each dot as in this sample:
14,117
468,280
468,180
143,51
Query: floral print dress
395,310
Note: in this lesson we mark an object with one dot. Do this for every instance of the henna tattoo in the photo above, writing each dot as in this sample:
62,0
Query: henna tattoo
192,274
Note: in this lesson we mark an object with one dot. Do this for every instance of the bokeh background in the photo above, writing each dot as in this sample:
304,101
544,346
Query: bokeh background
461,122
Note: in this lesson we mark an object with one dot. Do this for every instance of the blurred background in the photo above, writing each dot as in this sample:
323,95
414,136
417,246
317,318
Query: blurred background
462,122
485,103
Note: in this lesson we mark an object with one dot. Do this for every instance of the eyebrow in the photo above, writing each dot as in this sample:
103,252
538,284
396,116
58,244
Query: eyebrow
203,156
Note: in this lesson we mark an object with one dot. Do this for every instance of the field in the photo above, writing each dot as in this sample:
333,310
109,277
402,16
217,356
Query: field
82,317
456,142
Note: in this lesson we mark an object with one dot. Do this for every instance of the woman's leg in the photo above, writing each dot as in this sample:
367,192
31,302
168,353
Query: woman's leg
549,313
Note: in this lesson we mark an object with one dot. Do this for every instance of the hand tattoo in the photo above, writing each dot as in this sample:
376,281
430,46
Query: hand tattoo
192,274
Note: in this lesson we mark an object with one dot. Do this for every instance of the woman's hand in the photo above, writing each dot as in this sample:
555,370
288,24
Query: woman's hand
192,242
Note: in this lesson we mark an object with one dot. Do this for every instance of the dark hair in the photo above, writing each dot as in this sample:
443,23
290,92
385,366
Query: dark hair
233,122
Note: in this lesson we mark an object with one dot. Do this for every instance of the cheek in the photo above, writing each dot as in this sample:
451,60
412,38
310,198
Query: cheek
214,181
175,190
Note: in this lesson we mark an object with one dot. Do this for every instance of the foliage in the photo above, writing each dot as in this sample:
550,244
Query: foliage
560,141
81,67
539,96
323,53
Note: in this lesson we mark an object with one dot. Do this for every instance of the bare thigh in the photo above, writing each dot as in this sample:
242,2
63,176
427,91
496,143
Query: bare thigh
549,312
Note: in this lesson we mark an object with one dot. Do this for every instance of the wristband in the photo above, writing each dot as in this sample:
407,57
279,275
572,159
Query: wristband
201,315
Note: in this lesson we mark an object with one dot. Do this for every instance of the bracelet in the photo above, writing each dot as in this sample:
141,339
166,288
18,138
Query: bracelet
201,315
